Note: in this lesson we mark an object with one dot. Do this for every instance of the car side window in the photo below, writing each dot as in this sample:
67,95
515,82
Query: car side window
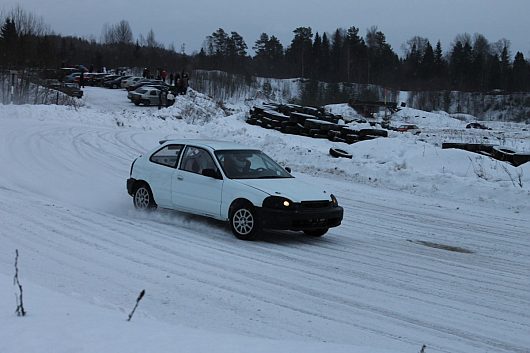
168,156
195,160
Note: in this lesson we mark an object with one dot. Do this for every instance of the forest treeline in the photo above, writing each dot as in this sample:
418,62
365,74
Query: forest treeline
470,63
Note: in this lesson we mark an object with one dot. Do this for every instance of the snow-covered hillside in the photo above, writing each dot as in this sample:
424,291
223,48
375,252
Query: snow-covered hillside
491,106
434,247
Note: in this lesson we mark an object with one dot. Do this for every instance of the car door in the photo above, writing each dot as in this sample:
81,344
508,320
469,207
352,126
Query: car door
194,192
153,96
163,168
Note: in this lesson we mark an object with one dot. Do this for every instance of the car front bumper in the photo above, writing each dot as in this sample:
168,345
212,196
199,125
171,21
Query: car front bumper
300,219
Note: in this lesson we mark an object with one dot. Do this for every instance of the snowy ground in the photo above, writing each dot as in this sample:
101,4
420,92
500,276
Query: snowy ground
370,285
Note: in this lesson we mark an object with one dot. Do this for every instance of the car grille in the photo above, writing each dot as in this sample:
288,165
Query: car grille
315,204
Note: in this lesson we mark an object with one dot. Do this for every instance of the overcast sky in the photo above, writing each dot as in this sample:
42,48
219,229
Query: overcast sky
189,22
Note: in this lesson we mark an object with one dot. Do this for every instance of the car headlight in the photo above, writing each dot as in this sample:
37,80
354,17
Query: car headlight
278,202
334,201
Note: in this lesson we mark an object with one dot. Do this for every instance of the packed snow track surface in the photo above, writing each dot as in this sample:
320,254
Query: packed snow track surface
370,282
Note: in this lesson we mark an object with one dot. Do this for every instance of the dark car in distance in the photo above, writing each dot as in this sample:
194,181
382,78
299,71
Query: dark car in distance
477,126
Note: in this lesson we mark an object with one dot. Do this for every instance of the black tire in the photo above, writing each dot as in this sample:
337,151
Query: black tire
243,221
146,102
313,132
457,145
136,103
352,139
503,154
291,130
114,85
312,124
373,132
316,232
337,152
143,198
520,158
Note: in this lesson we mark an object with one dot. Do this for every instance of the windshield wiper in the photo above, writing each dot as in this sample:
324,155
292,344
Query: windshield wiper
272,177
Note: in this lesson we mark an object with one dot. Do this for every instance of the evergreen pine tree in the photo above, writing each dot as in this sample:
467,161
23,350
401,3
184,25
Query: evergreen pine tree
8,43
505,68
316,56
324,60
427,64
519,73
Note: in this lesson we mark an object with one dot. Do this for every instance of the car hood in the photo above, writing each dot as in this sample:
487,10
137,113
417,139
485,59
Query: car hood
291,188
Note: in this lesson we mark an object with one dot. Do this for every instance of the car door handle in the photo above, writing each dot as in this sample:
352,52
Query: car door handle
180,178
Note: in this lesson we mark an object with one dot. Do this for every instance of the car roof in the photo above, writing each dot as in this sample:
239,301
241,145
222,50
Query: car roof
213,144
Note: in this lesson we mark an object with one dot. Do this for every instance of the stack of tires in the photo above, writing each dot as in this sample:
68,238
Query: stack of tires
309,121
500,153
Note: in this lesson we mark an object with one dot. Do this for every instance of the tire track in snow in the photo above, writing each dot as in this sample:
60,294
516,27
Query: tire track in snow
340,303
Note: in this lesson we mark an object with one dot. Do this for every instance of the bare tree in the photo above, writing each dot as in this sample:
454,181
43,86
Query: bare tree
26,23
123,32
481,45
463,38
371,37
120,33
499,46
150,40
419,42
106,34
141,40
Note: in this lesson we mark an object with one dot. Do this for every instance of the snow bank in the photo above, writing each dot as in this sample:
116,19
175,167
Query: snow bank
415,164
59,323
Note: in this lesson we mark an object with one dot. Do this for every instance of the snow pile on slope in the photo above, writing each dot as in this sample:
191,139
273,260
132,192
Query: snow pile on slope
422,118
194,108
343,109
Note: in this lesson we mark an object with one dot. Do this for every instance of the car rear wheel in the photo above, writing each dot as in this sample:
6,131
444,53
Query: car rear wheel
243,222
316,232
143,198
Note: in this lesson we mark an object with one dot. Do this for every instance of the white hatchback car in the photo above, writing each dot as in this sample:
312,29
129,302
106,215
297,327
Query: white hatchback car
227,181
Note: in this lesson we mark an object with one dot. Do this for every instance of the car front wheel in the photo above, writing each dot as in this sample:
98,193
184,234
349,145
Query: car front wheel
243,222
316,232
143,198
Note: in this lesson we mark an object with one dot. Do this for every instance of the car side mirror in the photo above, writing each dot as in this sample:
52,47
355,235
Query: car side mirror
212,173
288,169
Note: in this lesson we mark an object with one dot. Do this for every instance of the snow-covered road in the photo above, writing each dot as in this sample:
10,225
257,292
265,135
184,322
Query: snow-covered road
370,282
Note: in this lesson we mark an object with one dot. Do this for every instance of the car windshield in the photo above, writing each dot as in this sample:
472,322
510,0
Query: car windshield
249,164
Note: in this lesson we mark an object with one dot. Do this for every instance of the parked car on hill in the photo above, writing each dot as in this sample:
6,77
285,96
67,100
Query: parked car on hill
115,83
413,129
99,78
73,77
131,81
146,96
147,82
477,126
71,89
230,182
